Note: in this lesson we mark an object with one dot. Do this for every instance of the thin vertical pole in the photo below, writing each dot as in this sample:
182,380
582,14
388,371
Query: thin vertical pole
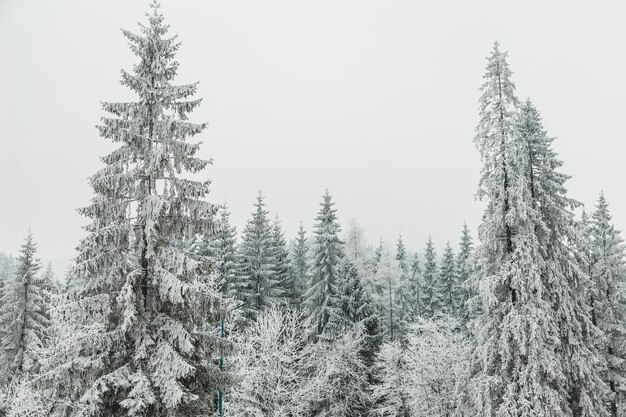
221,368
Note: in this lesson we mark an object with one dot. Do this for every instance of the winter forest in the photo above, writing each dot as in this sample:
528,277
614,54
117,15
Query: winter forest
170,310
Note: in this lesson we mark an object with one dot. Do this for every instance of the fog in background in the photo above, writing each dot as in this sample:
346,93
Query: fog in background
374,100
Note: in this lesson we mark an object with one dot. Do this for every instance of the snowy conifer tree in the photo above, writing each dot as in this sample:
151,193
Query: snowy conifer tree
378,252
403,297
562,271
258,284
282,265
223,254
24,316
300,265
359,311
141,322
514,364
416,287
464,270
322,298
608,301
431,297
451,291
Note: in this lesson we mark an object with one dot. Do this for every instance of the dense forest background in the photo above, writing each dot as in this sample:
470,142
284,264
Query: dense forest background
169,310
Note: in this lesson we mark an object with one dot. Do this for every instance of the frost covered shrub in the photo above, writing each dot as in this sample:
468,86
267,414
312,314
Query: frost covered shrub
266,366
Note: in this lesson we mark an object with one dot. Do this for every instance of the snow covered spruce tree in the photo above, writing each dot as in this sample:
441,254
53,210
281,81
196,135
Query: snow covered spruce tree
359,311
416,285
375,260
24,317
257,281
142,323
431,296
514,365
451,291
607,299
464,270
282,265
322,298
220,248
403,297
300,265
561,269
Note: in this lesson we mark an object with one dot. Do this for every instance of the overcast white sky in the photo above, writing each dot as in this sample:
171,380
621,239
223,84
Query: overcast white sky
374,100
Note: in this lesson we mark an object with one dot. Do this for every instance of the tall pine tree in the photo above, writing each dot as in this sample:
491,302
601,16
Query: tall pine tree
24,318
322,298
514,368
221,250
416,287
359,310
257,283
451,297
282,264
562,272
431,285
464,271
142,322
608,301
404,301
300,265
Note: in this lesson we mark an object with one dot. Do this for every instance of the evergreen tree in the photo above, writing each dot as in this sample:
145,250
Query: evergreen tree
300,265
557,235
140,320
431,297
403,294
258,283
221,250
513,368
359,311
24,316
322,298
451,297
282,265
401,255
464,271
608,301
416,287
378,253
